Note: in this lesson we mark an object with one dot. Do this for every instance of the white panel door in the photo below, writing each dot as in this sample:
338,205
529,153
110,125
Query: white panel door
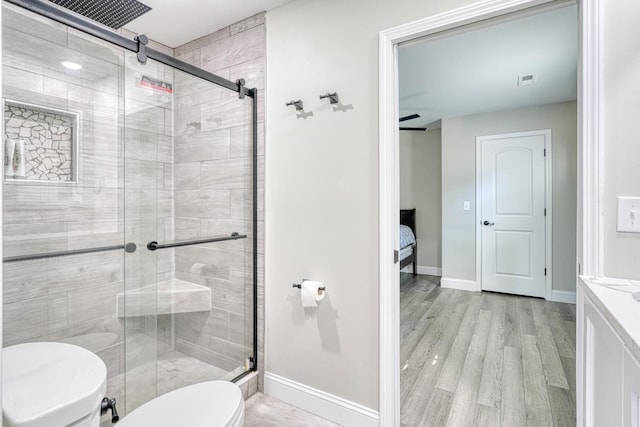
512,203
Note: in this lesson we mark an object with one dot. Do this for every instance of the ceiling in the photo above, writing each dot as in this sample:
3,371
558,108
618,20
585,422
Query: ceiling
477,71
174,23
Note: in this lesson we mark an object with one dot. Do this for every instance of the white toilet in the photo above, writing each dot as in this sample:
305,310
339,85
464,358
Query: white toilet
50,384
208,404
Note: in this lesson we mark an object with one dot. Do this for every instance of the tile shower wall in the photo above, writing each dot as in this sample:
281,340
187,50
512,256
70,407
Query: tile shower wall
197,183
73,299
68,298
205,124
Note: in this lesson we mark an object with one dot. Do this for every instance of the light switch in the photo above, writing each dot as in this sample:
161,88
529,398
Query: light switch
629,214
466,206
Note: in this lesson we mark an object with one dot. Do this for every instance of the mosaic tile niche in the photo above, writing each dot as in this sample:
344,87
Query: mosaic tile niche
40,143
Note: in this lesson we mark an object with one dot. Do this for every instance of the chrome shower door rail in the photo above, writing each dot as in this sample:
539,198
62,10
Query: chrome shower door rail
52,11
129,248
152,246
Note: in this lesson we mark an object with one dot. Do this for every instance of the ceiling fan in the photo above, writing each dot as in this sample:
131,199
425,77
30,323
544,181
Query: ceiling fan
410,117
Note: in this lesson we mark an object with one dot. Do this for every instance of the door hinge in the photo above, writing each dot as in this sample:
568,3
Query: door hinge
545,271
579,269
545,152
395,257
545,211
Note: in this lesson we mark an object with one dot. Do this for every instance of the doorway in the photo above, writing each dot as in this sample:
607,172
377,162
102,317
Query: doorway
493,198
587,116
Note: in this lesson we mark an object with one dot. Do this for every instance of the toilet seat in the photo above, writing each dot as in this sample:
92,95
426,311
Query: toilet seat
48,384
207,404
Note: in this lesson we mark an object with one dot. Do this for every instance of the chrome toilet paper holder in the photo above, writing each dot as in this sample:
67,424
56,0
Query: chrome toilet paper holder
299,285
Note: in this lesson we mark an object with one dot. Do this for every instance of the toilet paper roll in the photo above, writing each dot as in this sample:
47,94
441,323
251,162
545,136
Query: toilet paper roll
310,293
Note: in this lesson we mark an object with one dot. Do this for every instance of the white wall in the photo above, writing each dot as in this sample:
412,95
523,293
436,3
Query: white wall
459,185
421,188
321,195
621,94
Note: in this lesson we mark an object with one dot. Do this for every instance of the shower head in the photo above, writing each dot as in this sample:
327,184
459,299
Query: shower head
112,13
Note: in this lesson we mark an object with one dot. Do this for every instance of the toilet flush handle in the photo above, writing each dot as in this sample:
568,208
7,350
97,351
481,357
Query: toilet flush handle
110,404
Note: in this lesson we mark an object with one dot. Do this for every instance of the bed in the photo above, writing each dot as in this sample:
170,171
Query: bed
408,244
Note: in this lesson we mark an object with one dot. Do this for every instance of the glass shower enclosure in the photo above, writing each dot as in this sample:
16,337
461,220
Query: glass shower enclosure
129,205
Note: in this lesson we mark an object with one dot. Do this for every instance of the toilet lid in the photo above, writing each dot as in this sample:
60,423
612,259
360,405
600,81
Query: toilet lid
207,404
50,384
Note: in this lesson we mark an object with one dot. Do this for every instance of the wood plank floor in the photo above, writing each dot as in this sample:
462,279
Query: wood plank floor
484,359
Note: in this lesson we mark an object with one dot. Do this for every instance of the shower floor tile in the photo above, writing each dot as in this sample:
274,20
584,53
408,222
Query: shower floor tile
173,370
176,370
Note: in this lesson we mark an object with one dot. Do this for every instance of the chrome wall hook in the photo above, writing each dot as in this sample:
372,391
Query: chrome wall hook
300,113
298,104
334,100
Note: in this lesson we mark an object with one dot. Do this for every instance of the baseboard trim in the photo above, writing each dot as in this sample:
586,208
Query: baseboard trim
463,285
568,297
422,269
333,408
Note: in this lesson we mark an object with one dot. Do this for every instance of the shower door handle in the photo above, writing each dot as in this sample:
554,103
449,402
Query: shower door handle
153,246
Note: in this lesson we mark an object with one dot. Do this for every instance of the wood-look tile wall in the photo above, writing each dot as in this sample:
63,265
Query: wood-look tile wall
73,298
68,298
213,191
151,167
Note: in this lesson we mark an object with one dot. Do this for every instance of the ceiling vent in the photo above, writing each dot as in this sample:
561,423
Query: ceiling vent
527,79
112,13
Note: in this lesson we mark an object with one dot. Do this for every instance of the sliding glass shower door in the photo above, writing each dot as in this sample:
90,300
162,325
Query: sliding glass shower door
129,209
188,186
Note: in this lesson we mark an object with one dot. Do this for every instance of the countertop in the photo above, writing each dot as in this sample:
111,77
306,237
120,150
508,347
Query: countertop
613,298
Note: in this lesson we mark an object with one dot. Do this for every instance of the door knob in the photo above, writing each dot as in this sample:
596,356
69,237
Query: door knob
488,223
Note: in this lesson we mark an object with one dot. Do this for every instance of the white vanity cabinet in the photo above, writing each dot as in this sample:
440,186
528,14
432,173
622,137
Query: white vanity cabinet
602,374
631,390
608,356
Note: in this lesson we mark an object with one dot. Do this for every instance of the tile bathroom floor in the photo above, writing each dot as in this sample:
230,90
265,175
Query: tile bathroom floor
484,359
265,411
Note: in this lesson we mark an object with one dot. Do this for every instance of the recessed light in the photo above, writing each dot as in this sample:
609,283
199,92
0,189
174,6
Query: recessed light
72,65
527,79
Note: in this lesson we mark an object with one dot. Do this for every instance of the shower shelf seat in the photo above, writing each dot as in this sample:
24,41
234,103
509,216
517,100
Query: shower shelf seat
168,297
